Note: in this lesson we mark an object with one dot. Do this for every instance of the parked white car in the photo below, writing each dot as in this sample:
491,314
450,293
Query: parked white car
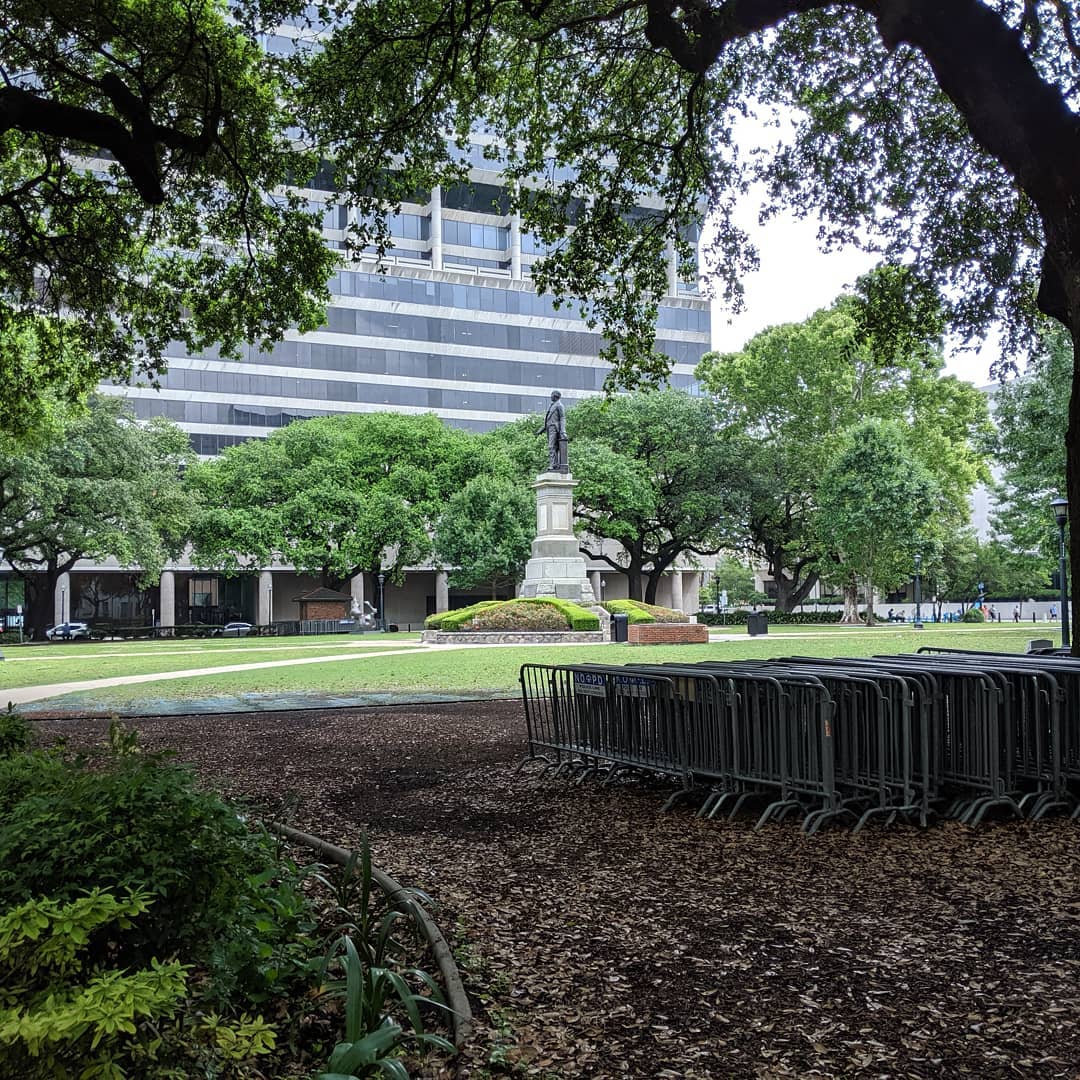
67,631
236,629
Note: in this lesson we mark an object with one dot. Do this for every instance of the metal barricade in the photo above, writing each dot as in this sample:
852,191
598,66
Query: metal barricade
974,737
781,744
612,717
1044,698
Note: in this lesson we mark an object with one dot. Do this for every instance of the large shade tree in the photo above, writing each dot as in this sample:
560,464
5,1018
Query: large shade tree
333,497
105,486
942,132
656,476
144,150
794,390
879,508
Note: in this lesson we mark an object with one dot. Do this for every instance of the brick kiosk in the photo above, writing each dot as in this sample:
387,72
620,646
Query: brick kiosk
323,603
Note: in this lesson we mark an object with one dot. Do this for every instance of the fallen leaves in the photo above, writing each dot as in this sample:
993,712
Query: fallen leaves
606,940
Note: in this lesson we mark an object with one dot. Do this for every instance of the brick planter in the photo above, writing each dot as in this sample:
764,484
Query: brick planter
672,633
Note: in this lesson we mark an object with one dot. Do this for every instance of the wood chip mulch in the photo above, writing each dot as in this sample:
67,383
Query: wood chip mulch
600,938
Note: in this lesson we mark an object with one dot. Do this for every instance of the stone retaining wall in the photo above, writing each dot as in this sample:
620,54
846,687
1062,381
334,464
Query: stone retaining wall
512,637
672,633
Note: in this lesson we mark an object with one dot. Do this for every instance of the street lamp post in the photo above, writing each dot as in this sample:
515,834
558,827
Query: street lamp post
382,608
1061,515
918,593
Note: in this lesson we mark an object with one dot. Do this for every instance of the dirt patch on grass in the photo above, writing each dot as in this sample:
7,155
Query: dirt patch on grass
600,938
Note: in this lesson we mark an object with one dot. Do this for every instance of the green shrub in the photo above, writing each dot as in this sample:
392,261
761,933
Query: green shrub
790,618
973,615
454,620
520,615
14,732
487,616
134,821
59,1020
638,612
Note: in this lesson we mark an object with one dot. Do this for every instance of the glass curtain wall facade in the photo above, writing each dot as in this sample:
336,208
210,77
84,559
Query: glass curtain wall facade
444,328
451,325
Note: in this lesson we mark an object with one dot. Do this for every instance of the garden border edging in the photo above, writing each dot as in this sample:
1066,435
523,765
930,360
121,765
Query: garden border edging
457,999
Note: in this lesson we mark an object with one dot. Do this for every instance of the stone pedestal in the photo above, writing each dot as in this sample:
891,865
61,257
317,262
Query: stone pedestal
556,567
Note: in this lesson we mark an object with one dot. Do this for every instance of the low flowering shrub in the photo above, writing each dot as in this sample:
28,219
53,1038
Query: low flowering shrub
638,612
520,615
539,614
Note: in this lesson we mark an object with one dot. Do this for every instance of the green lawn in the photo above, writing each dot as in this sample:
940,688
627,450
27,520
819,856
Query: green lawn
39,664
495,668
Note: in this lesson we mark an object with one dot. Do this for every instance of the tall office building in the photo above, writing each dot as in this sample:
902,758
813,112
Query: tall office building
452,326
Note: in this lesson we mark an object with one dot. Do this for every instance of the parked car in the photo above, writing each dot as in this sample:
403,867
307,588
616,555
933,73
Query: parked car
236,629
68,631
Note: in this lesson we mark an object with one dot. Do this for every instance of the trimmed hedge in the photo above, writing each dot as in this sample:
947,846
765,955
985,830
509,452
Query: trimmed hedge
487,615
791,618
638,612
454,620
973,615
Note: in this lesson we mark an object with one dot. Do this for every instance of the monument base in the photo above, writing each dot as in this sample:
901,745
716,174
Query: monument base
557,568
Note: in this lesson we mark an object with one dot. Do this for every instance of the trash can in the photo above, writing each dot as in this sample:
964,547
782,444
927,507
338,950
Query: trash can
756,624
619,625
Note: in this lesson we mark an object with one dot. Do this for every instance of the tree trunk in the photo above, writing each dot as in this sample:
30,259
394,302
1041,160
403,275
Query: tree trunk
789,594
870,619
851,603
1072,485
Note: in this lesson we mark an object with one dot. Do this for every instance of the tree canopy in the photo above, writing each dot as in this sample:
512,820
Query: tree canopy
144,150
795,391
1031,413
105,486
656,477
878,508
485,533
332,496
944,134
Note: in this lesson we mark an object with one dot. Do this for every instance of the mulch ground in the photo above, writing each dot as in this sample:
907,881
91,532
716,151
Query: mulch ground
601,938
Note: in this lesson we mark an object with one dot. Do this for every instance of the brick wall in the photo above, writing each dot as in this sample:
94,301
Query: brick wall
324,609
667,633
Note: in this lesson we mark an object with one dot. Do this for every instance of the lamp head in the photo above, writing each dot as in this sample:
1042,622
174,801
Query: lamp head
918,561
1060,507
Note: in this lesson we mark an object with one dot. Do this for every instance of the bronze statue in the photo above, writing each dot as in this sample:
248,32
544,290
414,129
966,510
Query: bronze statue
555,429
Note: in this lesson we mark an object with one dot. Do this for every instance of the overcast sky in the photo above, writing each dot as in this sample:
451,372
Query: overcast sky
796,279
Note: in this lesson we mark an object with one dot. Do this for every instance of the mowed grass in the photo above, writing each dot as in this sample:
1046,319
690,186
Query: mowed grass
494,669
40,665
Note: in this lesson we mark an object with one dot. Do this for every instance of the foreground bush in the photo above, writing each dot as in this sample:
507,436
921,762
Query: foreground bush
127,821
144,926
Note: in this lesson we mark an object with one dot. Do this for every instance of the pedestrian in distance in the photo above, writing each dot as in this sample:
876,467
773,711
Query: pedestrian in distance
1016,614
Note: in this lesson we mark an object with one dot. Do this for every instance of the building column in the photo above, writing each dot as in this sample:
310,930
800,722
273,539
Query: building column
672,268
356,587
167,598
676,590
515,244
442,592
265,605
62,599
435,228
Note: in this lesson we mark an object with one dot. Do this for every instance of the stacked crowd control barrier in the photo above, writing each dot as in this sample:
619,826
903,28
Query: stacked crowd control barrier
852,740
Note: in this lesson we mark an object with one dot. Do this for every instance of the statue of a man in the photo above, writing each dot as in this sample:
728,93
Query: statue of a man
555,429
